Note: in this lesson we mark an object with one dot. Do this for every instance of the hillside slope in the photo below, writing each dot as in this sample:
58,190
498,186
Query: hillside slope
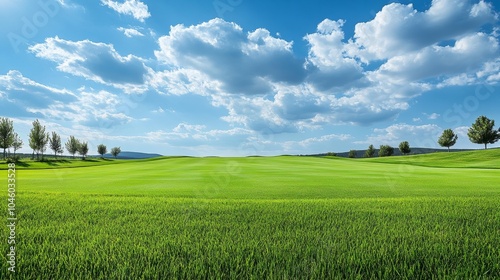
466,159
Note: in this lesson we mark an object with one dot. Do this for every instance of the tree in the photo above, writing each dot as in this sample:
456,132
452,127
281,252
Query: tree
115,151
482,132
385,151
370,152
6,134
83,149
55,143
404,147
17,144
72,145
352,153
38,139
447,139
102,150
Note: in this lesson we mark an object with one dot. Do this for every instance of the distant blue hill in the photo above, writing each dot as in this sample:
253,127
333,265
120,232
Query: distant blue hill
132,155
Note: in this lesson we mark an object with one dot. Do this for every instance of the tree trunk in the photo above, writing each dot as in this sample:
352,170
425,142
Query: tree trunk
485,146
448,149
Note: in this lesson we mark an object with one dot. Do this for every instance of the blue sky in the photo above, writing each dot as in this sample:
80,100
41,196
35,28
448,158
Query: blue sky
240,77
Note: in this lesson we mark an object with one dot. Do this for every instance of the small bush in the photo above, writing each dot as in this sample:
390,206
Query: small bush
13,159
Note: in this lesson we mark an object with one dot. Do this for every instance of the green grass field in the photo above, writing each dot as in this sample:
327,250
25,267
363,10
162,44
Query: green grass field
412,217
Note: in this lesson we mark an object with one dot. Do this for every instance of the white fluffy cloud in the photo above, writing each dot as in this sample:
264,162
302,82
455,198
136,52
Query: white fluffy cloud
328,62
265,87
31,99
134,8
398,29
418,135
98,62
19,93
92,109
468,54
242,63
130,32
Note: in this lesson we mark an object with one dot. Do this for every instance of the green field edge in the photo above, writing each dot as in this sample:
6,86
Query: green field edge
78,163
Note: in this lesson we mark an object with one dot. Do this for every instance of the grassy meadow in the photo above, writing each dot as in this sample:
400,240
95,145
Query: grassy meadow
411,217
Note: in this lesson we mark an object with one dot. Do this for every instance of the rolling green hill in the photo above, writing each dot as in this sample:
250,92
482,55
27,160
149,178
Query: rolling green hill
412,217
465,159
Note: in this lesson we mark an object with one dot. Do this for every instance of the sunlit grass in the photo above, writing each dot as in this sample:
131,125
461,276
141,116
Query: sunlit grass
265,217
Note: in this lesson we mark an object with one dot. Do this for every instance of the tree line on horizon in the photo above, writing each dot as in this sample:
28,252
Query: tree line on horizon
39,140
482,131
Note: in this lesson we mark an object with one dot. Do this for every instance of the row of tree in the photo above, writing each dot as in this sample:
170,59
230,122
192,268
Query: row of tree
384,150
482,131
39,140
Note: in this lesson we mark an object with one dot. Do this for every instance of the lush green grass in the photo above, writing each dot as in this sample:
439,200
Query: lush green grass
273,217
53,163
262,178
468,159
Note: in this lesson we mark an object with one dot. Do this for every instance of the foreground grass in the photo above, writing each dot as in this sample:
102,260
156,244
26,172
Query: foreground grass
257,218
105,237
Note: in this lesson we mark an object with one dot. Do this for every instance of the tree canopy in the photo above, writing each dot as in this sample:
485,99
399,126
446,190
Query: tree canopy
72,145
102,150
370,152
6,134
404,147
38,138
482,131
447,139
83,149
55,143
385,151
115,151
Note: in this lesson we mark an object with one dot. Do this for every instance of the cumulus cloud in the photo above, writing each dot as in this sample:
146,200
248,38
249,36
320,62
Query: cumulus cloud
468,54
195,135
94,61
183,81
255,113
31,99
433,116
130,32
134,8
18,93
324,138
243,63
328,63
398,29
418,135
265,87
92,109
398,55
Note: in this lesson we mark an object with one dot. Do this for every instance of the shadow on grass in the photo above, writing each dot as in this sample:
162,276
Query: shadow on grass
23,164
